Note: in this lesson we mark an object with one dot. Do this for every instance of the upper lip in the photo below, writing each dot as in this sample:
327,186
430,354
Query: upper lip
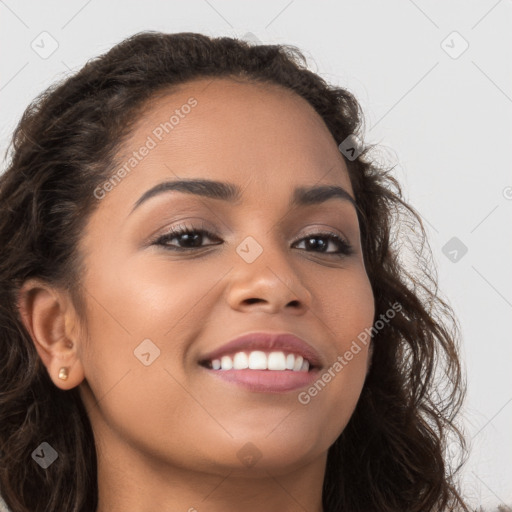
285,342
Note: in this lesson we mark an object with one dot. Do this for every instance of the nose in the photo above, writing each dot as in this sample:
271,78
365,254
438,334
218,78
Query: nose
269,284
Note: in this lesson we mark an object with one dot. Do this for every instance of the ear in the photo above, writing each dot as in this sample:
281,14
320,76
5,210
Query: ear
51,321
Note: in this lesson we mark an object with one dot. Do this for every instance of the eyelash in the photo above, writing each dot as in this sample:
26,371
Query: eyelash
345,248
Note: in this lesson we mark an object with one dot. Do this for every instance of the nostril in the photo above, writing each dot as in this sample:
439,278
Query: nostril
252,301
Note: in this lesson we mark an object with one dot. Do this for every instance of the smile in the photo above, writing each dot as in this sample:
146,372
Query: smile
263,372
259,360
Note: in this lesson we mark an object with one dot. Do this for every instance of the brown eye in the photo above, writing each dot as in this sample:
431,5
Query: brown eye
311,243
189,238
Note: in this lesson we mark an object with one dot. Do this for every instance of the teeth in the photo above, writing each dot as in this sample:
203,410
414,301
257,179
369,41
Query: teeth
226,363
240,361
258,360
298,363
276,361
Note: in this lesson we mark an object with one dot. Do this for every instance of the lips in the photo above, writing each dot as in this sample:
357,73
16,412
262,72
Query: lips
266,342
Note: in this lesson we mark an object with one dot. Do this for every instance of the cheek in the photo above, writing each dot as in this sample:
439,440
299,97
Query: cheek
134,374
347,305
140,300
348,310
127,305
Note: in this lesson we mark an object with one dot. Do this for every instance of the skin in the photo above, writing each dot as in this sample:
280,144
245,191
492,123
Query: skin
167,435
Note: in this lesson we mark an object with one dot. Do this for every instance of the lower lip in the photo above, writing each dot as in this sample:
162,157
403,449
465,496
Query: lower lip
266,381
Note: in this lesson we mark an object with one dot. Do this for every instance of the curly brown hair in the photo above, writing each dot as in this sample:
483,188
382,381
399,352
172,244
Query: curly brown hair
392,454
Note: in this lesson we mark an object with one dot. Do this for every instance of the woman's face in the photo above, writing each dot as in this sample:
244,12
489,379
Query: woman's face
155,308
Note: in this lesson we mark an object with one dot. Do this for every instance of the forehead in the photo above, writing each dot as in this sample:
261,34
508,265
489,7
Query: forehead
232,131
233,106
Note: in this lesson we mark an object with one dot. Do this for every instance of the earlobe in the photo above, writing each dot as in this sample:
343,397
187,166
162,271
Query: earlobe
45,313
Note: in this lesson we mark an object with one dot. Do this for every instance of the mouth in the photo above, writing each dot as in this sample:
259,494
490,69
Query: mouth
263,372
275,361
264,362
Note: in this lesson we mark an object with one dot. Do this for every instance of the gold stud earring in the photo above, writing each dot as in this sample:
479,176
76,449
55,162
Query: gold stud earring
63,373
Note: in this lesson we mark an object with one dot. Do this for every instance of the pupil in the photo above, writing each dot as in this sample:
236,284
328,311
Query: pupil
189,236
313,245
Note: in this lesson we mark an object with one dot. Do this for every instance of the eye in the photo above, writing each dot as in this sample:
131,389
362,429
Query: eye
190,238
344,247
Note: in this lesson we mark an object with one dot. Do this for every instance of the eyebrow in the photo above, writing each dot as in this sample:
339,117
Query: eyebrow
229,192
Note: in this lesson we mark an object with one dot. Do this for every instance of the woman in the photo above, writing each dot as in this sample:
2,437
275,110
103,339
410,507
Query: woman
203,305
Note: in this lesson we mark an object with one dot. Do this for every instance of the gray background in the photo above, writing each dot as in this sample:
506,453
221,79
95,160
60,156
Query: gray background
441,114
